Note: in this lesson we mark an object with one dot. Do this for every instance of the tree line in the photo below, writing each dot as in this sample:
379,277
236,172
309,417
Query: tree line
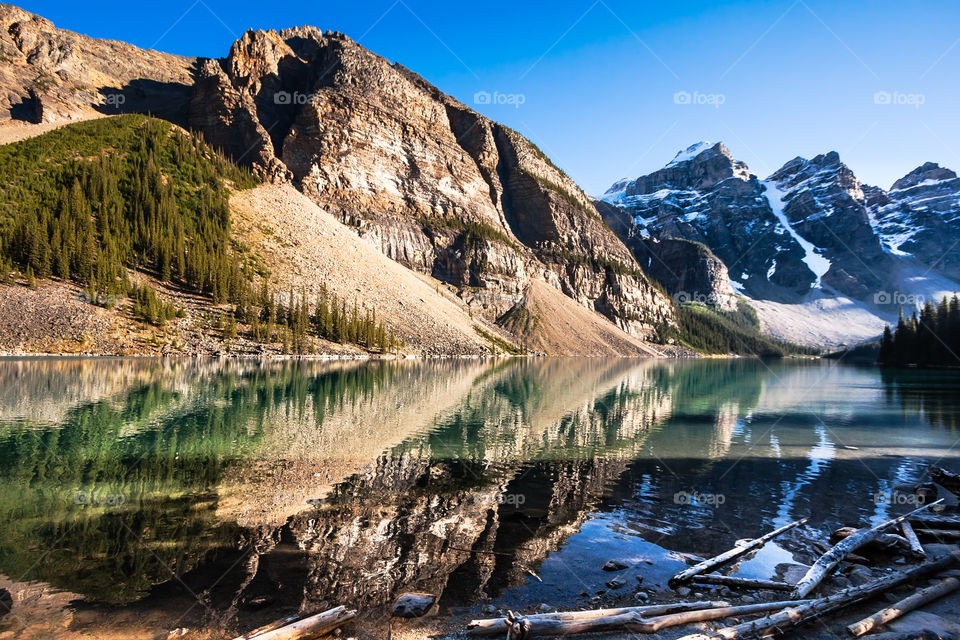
928,339
296,322
87,202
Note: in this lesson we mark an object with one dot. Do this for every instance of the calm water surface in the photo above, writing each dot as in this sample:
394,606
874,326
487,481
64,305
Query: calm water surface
267,486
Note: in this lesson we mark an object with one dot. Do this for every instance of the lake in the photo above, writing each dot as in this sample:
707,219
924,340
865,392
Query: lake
155,494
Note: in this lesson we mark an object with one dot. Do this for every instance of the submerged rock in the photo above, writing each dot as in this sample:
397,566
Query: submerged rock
413,605
614,565
616,583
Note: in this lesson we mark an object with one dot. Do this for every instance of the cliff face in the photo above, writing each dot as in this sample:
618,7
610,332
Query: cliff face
426,180
688,270
434,185
49,74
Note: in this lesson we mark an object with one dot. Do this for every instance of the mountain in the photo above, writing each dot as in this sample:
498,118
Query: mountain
919,216
51,75
436,186
811,240
463,202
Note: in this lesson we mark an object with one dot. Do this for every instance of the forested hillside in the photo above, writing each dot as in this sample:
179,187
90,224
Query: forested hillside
930,339
86,202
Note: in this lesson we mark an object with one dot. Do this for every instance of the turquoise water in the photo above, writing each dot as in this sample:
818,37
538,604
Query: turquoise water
266,486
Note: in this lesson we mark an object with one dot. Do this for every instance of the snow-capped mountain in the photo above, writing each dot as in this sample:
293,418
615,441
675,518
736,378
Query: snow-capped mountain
919,217
810,232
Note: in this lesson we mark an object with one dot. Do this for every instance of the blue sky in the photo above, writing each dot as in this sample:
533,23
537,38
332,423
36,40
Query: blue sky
610,88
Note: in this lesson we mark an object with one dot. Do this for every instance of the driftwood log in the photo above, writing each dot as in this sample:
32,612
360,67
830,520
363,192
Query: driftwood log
797,613
918,599
711,563
315,625
495,626
911,536
880,542
632,621
828,561
741,583
946,479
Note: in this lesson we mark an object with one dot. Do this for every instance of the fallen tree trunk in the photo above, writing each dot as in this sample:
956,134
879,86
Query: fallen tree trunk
315,625
797,613
276,624
631,621
915,547
920,598
946,479
826,563
498,626
742,583
736,552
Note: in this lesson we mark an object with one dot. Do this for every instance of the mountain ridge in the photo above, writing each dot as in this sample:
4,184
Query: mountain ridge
419,176
810,230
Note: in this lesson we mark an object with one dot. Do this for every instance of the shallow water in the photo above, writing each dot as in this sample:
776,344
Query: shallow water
262,487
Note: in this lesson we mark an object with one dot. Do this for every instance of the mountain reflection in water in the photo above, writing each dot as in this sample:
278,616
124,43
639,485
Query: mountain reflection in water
270,486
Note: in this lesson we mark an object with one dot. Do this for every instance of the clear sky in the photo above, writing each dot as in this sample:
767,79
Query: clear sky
614,88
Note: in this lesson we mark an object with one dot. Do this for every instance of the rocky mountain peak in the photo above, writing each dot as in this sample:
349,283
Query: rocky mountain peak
928,171
700,166
825,175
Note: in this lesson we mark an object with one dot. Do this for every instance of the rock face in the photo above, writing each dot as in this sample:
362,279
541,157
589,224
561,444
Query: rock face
824,204
49,74
706,196
688,270
919,217
811,227
436,186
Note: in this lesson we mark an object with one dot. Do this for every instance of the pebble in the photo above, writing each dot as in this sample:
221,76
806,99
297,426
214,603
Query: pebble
639,579
616,583
490,609
545,607
683,591
748,600
642,596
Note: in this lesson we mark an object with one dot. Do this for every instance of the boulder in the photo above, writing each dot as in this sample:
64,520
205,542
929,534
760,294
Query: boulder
415,604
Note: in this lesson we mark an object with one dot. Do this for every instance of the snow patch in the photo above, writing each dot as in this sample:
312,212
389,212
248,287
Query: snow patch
690,153
817,263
